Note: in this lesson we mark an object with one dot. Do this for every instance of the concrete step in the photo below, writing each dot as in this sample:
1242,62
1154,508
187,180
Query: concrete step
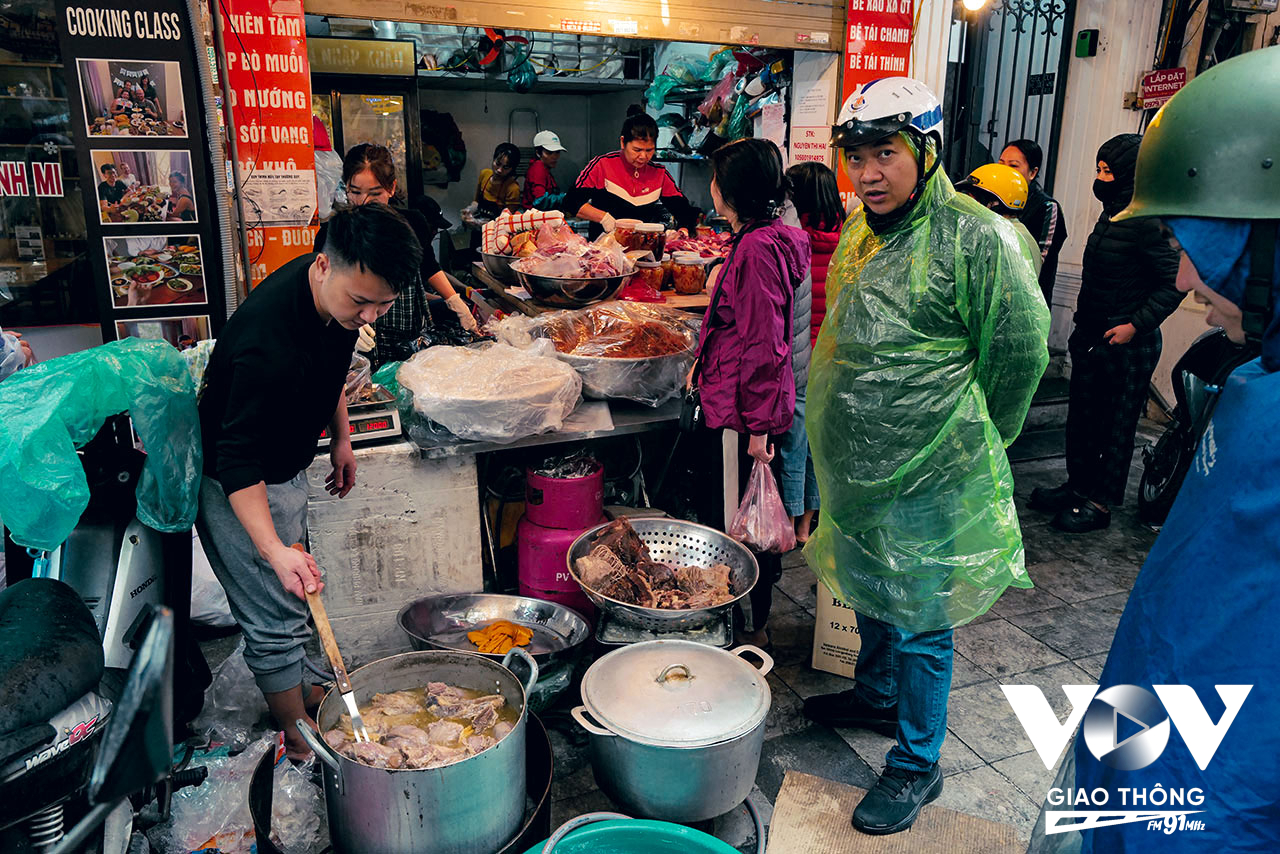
1043,444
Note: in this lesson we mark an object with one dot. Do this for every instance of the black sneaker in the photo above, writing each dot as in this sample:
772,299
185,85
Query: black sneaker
895,801
1051,500
847,709
1081,518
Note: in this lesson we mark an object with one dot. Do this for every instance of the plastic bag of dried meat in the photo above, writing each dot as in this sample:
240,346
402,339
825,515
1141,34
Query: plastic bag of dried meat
761,522
359,384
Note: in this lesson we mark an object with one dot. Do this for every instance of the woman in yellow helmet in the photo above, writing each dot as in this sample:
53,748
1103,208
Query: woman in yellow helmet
1004,190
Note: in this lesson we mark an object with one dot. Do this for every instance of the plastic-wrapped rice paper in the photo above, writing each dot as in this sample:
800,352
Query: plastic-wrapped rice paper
491,393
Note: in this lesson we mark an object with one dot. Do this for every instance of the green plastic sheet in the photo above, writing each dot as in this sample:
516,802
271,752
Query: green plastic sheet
50,409
933,344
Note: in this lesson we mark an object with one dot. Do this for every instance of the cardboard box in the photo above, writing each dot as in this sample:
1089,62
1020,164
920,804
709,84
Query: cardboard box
835,636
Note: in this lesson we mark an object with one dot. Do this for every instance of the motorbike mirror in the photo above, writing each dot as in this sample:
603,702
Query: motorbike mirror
137,746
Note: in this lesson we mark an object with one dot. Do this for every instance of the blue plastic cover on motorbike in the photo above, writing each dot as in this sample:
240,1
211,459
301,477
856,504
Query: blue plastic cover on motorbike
50,409
1203,613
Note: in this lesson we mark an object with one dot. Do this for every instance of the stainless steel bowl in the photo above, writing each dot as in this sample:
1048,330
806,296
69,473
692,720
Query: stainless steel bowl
679,543
652,380
499,266
570,293
442,622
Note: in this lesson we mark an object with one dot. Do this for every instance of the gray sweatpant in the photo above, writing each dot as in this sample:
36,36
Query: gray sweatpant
273,620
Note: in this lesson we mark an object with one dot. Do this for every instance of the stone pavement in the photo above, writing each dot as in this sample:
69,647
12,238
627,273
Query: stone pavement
1057,633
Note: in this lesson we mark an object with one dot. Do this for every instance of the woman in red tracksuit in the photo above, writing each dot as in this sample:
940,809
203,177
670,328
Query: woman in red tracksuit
626,184
817,206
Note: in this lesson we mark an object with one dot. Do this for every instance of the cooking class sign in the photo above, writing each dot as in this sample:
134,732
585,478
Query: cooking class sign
269,93
877,44
137,119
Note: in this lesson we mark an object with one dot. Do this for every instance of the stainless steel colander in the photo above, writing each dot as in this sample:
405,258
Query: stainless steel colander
678,543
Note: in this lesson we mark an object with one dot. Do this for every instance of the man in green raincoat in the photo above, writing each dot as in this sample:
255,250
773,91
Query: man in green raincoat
933,344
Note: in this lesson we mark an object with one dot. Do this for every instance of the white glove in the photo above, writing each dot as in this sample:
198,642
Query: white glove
367,340
608,223
459,306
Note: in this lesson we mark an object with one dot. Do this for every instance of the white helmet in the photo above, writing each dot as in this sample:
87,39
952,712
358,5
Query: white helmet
884,107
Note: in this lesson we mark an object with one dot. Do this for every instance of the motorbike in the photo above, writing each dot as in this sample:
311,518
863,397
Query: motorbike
75,639
1198,379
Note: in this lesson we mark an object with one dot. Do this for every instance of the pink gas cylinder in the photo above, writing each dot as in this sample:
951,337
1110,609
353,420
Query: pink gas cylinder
571,503
557,512
541,561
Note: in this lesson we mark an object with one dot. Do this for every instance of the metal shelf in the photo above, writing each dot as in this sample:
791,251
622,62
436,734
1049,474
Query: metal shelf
475,81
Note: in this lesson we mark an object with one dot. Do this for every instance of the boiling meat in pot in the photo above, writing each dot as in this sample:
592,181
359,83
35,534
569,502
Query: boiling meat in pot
427,728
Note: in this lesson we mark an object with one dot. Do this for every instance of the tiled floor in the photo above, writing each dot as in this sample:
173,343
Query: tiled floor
1057,633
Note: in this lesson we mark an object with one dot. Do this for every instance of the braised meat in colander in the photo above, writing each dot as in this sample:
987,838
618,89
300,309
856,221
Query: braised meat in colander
620,567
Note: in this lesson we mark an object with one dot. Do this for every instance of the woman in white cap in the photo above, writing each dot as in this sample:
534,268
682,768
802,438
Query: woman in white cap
540,188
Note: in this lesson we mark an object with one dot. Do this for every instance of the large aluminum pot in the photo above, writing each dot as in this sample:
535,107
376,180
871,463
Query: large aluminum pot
471,807
676,727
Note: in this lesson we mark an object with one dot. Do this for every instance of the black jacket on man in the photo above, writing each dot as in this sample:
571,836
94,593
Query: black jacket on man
1129,267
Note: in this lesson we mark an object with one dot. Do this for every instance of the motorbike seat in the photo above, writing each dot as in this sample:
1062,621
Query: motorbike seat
50,655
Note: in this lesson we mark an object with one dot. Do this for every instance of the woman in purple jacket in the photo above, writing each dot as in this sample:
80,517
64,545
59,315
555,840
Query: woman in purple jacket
745,376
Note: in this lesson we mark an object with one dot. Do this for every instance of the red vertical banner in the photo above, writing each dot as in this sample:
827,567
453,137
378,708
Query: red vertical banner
268,89
877,44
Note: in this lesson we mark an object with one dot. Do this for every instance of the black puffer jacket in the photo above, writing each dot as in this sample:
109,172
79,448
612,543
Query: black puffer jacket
1129,267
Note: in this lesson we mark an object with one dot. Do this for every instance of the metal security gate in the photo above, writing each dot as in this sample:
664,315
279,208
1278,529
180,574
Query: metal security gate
1008,80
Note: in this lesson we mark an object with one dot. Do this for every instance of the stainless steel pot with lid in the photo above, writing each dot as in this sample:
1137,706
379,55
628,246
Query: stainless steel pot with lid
676,727
676,693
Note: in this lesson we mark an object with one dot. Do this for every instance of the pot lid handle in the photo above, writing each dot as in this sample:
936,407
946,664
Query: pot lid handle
765,658
672,668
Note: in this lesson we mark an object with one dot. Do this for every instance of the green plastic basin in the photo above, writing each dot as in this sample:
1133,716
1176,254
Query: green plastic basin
637,836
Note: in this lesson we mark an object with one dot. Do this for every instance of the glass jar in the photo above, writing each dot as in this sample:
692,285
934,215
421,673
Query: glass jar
668,271
649,273
690,275
624,231
651,236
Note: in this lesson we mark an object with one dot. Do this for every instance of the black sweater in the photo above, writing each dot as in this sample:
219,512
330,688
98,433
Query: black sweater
273,383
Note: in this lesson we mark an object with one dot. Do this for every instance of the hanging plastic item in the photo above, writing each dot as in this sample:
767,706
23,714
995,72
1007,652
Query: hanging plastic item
522,75
50,409
761,522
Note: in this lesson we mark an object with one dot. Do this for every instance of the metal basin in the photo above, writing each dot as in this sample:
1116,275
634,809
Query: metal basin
473,805
499,266
679,543
570,293
442,622
651,380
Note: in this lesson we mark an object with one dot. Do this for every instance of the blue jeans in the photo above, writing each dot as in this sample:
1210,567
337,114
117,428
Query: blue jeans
797,482
913,671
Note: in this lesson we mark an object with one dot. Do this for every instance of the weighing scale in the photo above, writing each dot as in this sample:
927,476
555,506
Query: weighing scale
611,631
372,419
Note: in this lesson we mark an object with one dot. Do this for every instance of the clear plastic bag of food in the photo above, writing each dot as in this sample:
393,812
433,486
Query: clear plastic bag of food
762,523
491,392
359,384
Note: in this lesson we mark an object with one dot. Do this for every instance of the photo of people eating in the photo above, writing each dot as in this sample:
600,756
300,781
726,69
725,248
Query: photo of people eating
129,98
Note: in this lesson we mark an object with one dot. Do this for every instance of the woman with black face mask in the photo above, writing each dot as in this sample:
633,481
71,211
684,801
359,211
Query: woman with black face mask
1126,292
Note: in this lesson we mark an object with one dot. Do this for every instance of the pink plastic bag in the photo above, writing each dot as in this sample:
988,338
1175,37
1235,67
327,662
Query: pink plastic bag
762,523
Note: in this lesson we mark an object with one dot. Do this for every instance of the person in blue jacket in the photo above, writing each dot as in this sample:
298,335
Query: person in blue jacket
1202,612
